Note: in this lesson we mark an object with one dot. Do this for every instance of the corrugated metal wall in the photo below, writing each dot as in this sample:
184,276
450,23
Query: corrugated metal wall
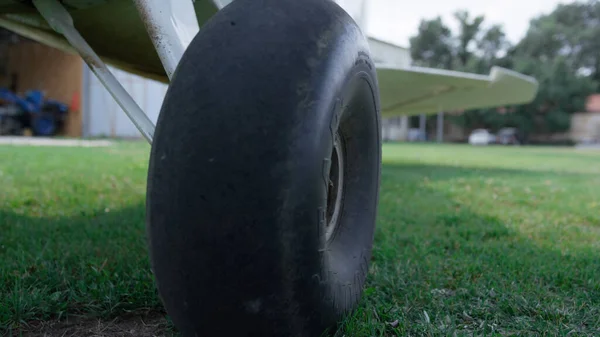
102,115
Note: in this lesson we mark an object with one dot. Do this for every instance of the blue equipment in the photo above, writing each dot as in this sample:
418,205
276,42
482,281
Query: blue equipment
44,117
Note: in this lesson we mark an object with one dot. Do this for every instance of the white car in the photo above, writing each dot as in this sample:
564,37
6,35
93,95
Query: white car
481,137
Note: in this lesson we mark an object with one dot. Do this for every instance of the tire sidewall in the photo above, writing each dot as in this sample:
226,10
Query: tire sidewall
345,259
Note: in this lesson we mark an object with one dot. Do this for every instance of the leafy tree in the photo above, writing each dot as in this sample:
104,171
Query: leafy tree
562,92
432,46
467,36
570,31
474,49
561,50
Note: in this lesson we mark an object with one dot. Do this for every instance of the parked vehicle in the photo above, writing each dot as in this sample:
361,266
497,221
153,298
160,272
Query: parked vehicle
508,136
43,116
416,135
481,137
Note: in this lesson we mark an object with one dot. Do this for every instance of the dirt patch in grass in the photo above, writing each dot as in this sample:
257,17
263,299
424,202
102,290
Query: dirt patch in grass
147,325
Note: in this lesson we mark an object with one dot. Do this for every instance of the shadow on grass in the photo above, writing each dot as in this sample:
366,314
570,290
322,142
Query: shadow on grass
446,264
94,264
440,265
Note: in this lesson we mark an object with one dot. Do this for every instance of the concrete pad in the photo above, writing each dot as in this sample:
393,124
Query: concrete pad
42,141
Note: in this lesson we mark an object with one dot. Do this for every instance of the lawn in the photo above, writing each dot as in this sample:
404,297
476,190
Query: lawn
470,240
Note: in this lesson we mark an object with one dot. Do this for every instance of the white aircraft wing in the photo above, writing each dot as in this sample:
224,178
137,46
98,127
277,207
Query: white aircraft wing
416,90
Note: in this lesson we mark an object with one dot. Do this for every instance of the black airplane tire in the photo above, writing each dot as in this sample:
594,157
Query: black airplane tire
264,172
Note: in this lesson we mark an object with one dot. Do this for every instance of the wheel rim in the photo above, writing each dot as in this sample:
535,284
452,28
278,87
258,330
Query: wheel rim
335,188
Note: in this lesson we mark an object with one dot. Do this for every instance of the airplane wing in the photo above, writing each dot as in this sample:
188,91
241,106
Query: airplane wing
416,90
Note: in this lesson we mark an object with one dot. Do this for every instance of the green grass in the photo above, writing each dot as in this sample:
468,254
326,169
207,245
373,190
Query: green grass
470,241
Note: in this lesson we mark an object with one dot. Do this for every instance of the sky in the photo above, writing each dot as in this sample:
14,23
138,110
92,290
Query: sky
396,21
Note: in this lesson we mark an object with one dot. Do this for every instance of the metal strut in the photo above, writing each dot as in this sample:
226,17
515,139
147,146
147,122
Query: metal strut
61,21
171,25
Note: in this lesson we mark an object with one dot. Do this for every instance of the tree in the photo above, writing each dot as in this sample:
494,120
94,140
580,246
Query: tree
570,31
467,36
475,48
432,46
562,92
561,50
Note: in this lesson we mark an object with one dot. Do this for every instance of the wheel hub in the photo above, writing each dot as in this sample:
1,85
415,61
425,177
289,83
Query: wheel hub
335,188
